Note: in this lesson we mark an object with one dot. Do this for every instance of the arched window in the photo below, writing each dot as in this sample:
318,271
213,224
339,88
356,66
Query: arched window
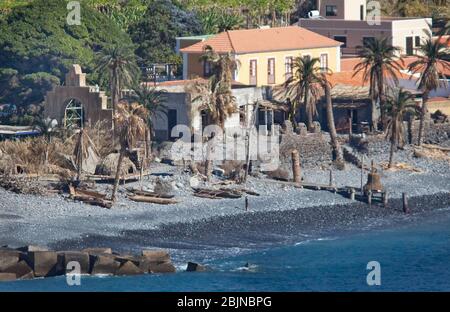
74,114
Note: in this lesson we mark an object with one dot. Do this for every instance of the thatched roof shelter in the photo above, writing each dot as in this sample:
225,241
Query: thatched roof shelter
108,166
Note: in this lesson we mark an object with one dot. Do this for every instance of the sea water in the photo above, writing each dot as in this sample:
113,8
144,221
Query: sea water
414,256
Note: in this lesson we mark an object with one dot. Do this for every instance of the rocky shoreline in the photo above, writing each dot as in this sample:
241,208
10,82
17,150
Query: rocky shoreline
37,262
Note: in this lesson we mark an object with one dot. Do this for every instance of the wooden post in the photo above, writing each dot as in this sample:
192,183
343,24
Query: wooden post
352,194
405,203
246,203
369,198
296,167
385,199
350,127
362,174
331,177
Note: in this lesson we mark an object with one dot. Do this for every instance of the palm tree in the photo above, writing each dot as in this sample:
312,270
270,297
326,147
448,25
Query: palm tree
378,61
397,105
215,95
131,126
430,65
337,152
305,87
119,62
154,101
218,100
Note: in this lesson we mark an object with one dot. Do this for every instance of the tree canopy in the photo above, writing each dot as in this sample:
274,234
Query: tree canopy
37,47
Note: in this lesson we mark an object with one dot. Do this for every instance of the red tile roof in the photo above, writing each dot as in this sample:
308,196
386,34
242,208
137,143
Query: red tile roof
263,40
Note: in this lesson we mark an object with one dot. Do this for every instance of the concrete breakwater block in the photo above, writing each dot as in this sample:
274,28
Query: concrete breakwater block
103,264
44,263
195,267
161,267
21,270
5,277
129,268
82,258
16,264
32,248
99,250
9,258
156,255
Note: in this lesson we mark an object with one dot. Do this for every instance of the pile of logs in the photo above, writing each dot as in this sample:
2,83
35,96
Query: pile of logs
90,197
151,197
23,185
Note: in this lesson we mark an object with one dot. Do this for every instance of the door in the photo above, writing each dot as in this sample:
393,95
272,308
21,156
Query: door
171,121
409,46
253,72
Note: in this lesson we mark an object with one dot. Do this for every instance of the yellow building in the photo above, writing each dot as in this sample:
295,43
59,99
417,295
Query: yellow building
264,56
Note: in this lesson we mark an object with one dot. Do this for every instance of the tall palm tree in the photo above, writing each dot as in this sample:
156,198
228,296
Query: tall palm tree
218,100
337,152
131,126
304,87
154,101
378,61
119,63
215,95
397,104
430,65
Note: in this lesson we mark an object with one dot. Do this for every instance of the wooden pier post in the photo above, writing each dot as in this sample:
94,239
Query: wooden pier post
385,199
246,203
362,174
296,170
369,198
352,194
331,177
350,127
405,203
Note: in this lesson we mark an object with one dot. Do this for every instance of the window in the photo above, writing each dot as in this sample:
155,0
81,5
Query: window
253,72
331,10
289,66
207,69
342,39
368,40
271,71
324,62
417,41
409,46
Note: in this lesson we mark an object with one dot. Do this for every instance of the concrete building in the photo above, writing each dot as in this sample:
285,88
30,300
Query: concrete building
265,56
349,22
76,103
179,110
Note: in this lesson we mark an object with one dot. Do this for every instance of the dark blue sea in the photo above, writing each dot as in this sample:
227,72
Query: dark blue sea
413,256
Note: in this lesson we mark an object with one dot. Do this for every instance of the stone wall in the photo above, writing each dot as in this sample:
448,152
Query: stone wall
314,148
434,133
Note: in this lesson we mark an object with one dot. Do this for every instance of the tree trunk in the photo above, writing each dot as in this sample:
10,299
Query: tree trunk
117,177
374,115
423,113
337,153
391,154
381,102
208,162
309,113
115,94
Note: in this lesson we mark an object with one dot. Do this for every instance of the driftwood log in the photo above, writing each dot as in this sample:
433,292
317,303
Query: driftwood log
90,197
150,194
153,200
